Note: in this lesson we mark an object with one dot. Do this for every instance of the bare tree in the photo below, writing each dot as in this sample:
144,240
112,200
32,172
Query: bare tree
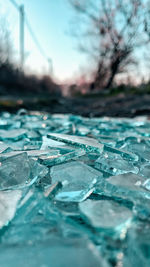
115,29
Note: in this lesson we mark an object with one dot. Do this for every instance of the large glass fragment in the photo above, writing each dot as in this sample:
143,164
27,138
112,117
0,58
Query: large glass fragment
107,216
89,144
138,246
14,171
8,205
60,158
4,148
127,185
114,164
18,171
12,134
54,252
77,180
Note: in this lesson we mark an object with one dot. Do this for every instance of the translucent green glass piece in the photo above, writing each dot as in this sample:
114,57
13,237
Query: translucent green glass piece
38,124
89,144
18,171
107,140
114,164
68,208
145,170
46,143
12,134
77,180
142,150
38,172
125,185
42,153
4,148
8,205
51,190
7,155
34,207
74,196
56,159
82,130
33,135
54,252
141,209
138,246
124,154
14,171
146,184
31,145
107,215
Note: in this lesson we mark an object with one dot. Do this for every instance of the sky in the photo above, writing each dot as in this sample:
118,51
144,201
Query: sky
50,20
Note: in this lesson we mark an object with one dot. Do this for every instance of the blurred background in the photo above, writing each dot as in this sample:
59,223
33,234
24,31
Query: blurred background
68,56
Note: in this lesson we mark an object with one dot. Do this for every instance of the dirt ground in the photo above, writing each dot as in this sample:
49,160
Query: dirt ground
95,106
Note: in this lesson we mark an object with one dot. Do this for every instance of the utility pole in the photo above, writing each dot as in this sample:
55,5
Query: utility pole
22,17
50,63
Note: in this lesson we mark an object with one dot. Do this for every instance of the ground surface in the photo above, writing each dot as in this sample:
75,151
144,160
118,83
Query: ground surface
93,106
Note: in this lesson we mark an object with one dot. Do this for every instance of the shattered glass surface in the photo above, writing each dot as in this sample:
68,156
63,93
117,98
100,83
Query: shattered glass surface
74,191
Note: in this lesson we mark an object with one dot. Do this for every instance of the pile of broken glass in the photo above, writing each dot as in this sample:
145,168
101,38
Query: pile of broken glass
74,191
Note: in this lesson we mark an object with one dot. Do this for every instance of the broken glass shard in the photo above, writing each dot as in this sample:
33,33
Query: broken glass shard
89,144
55,252
137,251
107,215
4,148
46,143
77,180
56,159
51,190
145,170
124,154
141,149
18,171
12,134
14,171
114,164
8,205
127,185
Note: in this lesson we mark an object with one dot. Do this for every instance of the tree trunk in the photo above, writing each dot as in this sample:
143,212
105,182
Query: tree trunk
100,77
114,70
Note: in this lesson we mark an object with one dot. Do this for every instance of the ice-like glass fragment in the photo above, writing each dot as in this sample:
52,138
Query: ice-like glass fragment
145,170
124,154
114,164
127,185
89,144
51,190
14,171
8,205
77,180
56,159
138,246
141,149
46,143
12,134
18,171
4,148
107,215
54,252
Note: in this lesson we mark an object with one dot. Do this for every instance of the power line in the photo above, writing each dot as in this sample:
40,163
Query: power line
23,17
